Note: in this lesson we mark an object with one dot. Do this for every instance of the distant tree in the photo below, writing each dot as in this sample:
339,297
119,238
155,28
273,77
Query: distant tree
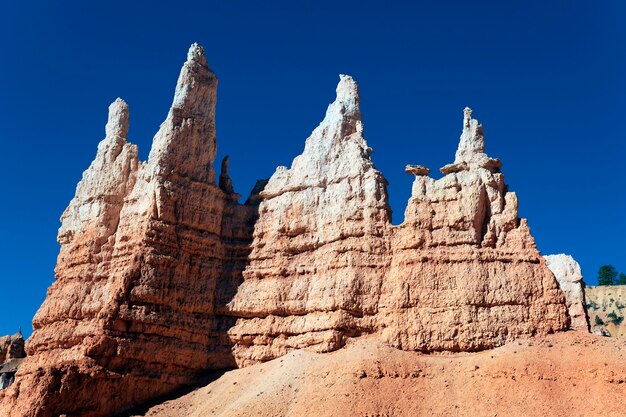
621,280
607,275
599,321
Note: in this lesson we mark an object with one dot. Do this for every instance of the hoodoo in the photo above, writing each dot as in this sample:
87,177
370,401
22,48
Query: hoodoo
462,272
320,245
162,275
147,250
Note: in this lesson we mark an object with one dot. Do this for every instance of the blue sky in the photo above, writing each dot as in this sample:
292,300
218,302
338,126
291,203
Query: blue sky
546,79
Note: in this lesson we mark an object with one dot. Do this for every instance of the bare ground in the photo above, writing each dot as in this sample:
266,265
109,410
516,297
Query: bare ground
567,374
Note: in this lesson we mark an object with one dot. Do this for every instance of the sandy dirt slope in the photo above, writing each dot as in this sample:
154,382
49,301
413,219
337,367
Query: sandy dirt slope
568,374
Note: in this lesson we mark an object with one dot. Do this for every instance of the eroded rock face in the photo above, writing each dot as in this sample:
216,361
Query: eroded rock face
147,250
11,347
162,275
462,273
319,245
570,278
465,274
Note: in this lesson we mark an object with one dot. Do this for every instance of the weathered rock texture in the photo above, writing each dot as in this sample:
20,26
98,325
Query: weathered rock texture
11,347
570,278
319,247
563,375
147,250
606,306
462,273
149,288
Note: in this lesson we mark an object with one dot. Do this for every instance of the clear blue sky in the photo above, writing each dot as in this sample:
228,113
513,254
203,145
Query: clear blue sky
546,78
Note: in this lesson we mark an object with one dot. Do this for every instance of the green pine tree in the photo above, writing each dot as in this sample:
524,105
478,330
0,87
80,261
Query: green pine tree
607,275
621,280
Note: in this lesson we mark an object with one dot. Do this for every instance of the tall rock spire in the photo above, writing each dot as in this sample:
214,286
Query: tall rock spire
329,205
343,117
110,177
336,149
471,151
472,141
185,144
119,119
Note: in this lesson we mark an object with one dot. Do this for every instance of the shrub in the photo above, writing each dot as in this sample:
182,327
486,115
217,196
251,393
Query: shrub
592,305
617,320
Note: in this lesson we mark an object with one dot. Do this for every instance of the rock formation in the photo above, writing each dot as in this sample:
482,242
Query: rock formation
606,307
162,275
147,250
12,347
570,278
462,273
319,244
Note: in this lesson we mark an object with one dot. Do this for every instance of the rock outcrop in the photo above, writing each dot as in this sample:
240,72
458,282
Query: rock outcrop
162,275
319,245
465,273
462,272
147,251
606,307
12,347
12,355
570,278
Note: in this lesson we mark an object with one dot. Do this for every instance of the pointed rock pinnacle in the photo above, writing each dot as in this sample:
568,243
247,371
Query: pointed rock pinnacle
119,119
185,142
472,139
343,116
196,54
471,151
194,77
225,183
467,116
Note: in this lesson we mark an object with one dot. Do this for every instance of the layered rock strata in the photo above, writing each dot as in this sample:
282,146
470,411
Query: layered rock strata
465,273
162,275
319,245
462,272
147,250
569,276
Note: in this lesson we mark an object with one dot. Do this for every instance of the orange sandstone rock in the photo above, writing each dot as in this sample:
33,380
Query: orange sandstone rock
147,249
462,272
12,347
162,275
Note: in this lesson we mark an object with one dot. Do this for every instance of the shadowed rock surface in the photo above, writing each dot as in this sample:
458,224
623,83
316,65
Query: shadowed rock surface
12,347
